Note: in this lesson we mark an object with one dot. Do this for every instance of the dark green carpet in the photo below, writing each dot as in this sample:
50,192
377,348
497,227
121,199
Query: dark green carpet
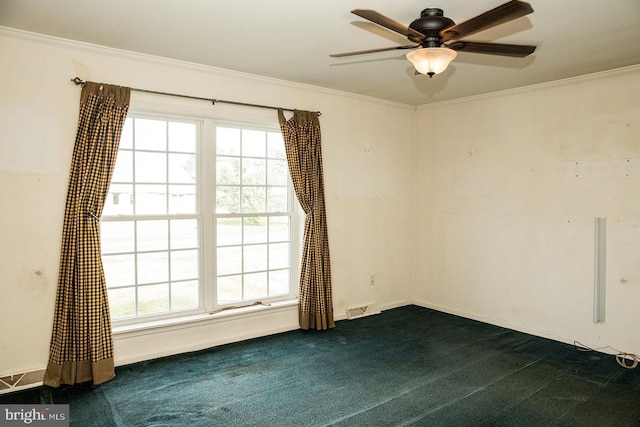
407,366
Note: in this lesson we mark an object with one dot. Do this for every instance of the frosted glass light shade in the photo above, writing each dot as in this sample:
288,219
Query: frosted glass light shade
431,60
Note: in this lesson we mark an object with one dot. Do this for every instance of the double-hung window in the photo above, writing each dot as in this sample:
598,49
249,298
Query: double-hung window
199,216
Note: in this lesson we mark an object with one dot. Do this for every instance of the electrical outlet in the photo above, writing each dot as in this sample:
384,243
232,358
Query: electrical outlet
372,279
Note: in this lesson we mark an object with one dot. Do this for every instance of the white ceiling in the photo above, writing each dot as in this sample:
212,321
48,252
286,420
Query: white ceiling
292,39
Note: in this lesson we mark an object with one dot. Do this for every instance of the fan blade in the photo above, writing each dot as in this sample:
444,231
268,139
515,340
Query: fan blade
382,49
389,23
514,50
501,14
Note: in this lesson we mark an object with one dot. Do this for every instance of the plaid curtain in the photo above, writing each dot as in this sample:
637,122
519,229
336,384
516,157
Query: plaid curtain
81,341
304,155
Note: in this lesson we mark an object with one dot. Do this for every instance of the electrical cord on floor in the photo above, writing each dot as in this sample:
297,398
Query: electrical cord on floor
624,359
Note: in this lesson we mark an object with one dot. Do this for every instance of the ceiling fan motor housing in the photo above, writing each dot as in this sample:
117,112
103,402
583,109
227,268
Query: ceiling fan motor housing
431,22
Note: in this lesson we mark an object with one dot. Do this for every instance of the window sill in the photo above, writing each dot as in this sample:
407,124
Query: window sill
156,326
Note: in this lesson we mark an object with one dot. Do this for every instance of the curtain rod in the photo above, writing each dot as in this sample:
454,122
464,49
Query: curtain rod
78,81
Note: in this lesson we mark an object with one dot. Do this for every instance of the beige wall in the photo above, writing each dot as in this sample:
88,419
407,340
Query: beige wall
508,187
367,146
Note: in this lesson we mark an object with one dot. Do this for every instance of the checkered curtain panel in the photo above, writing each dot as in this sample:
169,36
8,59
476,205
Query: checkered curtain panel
81,342
301,136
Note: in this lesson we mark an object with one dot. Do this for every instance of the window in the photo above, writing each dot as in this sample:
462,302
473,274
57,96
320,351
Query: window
253,215
199,215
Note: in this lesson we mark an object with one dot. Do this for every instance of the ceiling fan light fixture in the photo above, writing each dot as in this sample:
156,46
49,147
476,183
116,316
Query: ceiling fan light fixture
431,60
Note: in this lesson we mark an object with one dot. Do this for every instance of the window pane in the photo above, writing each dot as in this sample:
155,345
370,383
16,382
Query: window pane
255,258
277,199
153,267
122,302
275,145
229,231
182,137
255,286
184,265
278,255
278,228
182,168
253,199
228,171
255,230
184,233
229,260
183,199
126,139
254,172
119,270
185,295
228,141
152,235
227,199
229,289
119,200
116,236
254,143
153,299
150,134
151,167
279,282
123,171
277,172
150,199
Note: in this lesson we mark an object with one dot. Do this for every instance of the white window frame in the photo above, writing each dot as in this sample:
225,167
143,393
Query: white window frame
291,213
205,212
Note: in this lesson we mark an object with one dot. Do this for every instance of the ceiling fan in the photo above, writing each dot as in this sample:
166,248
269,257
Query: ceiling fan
438,38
